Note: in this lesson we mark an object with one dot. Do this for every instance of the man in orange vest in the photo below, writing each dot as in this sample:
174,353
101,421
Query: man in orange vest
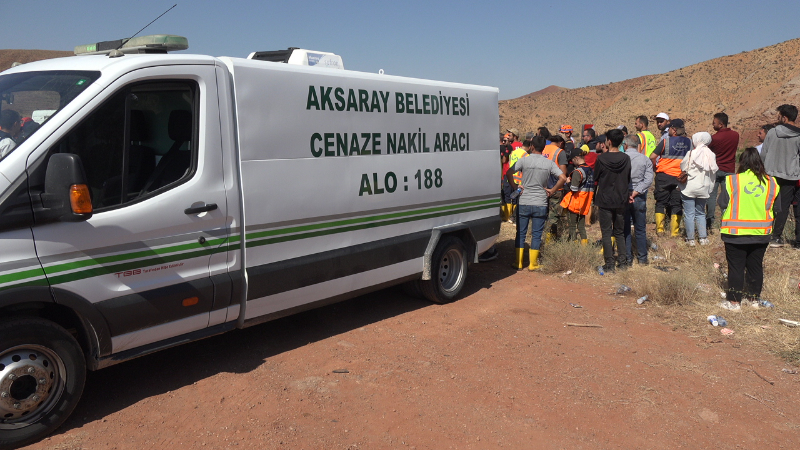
669,153
555,152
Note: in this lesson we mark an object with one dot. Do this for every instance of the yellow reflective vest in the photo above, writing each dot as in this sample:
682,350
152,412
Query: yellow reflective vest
515,156
647,142
749,209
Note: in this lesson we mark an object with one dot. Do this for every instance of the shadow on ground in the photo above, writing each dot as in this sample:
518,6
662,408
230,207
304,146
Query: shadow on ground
240,351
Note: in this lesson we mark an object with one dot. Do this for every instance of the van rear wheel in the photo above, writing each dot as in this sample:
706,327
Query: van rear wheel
448,271
42,373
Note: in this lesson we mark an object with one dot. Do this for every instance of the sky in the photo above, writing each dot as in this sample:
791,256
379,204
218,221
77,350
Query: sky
517,46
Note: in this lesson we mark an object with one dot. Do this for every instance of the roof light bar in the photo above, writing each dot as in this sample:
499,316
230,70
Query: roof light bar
155,43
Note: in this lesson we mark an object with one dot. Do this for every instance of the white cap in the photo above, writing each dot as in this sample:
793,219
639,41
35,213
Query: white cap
664,116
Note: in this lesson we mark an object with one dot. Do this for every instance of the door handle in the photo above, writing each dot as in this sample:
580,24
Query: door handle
199,209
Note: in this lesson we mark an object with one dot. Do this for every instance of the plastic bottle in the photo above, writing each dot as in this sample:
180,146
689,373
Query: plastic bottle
721,321
516,193
765,303
641,300
713,320
600,270
623,289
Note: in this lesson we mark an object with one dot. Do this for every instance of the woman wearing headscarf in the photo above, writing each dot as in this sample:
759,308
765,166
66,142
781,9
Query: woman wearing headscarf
746,227
700,166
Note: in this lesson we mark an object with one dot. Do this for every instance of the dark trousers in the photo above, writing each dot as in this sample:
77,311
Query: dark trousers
667,195
575,220
636,214
557,219
711,206
745,264
785,197
612,221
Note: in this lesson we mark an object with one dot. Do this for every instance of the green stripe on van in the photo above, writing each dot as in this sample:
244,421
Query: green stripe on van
293,237
21,275
168,255
338,223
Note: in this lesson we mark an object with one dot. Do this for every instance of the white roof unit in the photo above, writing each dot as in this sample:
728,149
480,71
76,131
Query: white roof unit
301,57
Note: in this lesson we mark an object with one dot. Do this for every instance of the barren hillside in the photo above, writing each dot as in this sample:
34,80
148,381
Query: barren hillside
9,57
747,86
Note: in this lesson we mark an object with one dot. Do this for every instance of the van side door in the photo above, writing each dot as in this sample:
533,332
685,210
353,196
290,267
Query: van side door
150,148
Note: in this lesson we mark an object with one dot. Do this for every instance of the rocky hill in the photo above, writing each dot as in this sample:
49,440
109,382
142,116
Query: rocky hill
9,57
747,86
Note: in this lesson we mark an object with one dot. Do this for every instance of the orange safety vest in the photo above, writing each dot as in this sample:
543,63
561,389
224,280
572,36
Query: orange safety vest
749,209
580,201
675,148
551,152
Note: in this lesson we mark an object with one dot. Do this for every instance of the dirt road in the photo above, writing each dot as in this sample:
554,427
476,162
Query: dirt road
497,369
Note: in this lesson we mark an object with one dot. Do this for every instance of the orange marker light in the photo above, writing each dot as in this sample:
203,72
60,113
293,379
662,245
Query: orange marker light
79,199
190,301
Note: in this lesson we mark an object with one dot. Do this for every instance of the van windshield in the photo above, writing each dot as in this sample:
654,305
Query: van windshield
29,99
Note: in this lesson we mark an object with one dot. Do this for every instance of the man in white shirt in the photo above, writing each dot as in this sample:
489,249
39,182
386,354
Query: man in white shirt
9,129
762,133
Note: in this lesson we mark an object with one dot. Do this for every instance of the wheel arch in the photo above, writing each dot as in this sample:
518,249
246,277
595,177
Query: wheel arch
72,312
459,230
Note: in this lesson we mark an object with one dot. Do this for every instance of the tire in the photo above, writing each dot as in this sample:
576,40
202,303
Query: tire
42,373
448,271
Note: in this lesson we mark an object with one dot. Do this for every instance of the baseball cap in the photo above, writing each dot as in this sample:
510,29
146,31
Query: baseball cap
513,131
565,129
575,152
662,115
676,123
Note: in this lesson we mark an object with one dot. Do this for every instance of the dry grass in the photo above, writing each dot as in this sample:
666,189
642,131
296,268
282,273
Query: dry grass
686,296
560,257
684,286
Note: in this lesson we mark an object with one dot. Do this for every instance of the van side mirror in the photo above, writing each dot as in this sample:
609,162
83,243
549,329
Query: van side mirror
66,195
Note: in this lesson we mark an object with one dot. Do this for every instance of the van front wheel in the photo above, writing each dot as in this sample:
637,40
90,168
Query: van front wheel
42,373
448,271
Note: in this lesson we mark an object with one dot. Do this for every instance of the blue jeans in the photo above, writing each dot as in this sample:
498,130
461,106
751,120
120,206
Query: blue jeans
537,216
694,209
636,214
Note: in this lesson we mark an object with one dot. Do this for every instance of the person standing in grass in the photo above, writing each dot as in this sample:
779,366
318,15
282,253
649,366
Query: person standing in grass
781,156
724,144
748,200
667,159
578,200
636,211
613,174
535,171
700,165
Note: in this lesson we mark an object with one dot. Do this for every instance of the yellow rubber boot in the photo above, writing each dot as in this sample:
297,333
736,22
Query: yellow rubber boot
534,256
519,252
584,242
675,225
660,219
504,212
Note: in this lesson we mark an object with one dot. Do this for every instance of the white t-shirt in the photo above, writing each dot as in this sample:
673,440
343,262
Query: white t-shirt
6,145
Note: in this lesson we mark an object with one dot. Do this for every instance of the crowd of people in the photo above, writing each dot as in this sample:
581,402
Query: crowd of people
556,185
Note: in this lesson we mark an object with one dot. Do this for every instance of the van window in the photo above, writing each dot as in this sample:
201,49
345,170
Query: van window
29,99
140,142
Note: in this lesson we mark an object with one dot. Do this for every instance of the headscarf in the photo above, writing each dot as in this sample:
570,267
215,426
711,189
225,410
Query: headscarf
702,156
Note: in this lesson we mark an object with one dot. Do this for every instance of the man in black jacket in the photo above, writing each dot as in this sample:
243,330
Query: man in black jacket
612,171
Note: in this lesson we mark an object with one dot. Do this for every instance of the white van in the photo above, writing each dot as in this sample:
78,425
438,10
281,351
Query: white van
167,198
